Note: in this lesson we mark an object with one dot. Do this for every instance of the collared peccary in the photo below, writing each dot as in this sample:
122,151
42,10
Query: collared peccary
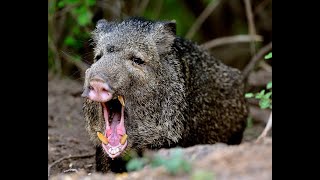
150,89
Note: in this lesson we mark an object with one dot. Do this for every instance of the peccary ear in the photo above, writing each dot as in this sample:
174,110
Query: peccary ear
164,35
102,27
169,26
101,24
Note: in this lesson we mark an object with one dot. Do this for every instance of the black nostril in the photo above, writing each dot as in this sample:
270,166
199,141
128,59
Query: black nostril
90,88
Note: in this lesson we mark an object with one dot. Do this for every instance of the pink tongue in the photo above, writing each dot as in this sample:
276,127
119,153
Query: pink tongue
113,134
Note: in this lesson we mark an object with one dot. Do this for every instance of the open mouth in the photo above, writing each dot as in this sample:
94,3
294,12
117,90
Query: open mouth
114,139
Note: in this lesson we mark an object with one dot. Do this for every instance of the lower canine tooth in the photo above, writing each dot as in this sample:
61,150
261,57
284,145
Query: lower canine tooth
123,139
120,98
102,138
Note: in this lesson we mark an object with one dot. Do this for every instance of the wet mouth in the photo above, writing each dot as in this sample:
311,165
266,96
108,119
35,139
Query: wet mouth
114,138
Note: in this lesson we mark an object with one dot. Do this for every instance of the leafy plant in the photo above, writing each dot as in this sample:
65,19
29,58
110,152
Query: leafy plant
202,175
264,96
69,22
268,56
136,164
174,163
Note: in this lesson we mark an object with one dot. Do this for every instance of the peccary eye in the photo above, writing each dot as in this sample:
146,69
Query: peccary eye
110,49
98,57
137,60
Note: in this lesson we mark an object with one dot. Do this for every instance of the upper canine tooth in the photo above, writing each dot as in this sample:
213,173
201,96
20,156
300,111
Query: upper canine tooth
123,139
102,138
120,98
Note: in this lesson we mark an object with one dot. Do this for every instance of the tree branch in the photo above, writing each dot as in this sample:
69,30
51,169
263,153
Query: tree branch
231,39
266,129
143,5
255,59
250,18
68,157
203,16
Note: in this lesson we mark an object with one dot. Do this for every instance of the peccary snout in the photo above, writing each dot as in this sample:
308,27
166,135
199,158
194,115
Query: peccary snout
98,90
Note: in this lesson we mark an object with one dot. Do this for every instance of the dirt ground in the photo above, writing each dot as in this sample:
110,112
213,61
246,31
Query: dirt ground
67,135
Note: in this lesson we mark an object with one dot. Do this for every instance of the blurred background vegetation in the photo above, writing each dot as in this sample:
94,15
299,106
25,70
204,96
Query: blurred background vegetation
222,21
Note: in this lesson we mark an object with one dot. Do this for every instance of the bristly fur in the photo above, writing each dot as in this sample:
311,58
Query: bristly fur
179,96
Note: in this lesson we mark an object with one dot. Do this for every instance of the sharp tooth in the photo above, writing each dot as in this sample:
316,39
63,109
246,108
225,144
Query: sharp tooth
102,138
113,151
120,98
123,139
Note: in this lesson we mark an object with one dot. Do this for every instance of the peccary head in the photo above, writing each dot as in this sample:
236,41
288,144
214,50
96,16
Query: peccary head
128,78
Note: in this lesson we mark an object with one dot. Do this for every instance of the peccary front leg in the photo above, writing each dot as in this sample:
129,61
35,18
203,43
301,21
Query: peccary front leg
102,164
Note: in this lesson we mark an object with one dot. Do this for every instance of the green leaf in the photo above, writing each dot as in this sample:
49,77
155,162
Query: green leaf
202,175
269,85
61,4
84,19
186,166
157,161
76,30
79,10
267,96
91,2
71,1
249,95
173,165
260,95
70,41
135,164
268,56
264,103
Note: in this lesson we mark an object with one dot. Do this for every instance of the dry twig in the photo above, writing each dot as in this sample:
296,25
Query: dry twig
255,59
143,5
266,129
230,39
252,29
203,16
68,157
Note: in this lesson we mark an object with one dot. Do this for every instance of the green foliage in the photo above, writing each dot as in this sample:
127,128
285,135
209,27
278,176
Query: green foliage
249,95
265,100
174,163
77,20
202,175
269,85
268,56
136,164
172,10
83,15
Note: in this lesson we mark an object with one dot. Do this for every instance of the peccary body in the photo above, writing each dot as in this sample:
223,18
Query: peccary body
175,93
